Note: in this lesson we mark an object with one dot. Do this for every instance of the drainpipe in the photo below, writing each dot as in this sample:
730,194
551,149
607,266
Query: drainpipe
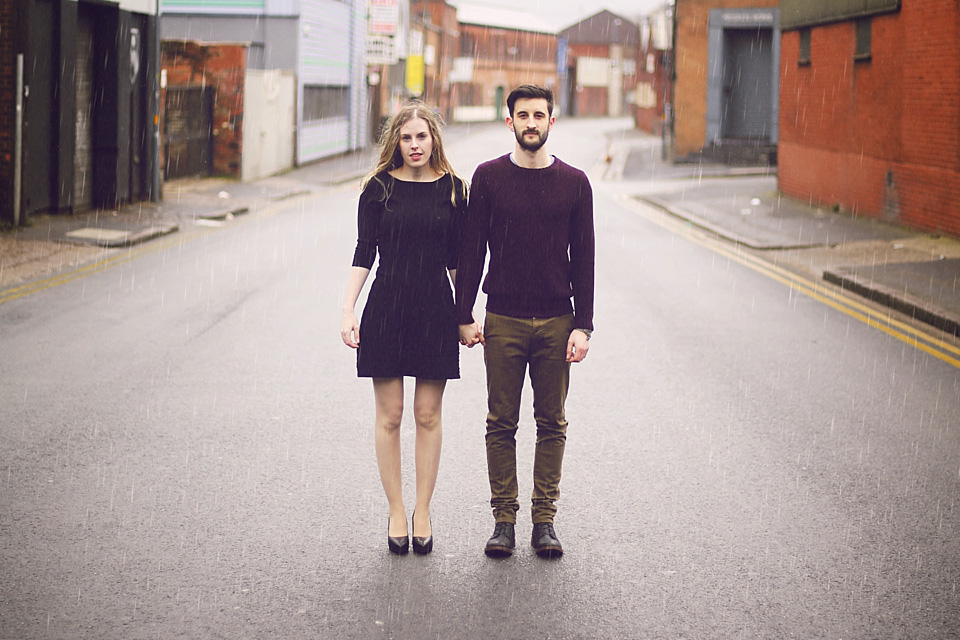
18,143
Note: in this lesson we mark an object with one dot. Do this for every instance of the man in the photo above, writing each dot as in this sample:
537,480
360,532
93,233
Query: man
535,213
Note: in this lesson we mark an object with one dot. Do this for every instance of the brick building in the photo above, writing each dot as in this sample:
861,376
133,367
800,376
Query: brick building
869,116
654,53
203,94
496,56
602,65
441,48
727,74
321,42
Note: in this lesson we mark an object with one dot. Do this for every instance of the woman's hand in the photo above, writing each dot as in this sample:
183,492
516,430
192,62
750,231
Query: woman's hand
350,329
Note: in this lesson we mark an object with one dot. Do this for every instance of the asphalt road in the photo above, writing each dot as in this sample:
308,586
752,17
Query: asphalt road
185,451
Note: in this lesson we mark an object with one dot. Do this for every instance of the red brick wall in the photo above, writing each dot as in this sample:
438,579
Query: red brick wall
8,104
881,137
589,50
650,118
494,45
222,66
444,35
534,63
591,101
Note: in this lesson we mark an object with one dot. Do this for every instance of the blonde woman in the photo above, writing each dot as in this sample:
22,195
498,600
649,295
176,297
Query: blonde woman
411,210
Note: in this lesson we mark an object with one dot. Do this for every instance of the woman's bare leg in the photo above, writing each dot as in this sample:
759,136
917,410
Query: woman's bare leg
389,400
427,410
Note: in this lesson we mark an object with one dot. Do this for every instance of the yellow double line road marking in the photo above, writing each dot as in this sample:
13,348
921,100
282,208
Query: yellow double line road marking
818,291
94,267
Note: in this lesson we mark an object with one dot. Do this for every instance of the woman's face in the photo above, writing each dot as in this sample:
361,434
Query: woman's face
416,143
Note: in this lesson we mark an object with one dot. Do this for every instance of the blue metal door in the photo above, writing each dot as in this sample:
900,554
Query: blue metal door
747,109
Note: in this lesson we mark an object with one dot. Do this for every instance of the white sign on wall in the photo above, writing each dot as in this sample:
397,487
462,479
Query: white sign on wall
593,72
384,17
381,50
646,96
462,70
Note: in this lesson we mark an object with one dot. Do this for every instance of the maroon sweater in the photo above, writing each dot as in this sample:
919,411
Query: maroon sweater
538,225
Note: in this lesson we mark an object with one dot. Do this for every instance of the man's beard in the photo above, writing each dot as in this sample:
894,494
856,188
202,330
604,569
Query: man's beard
532,146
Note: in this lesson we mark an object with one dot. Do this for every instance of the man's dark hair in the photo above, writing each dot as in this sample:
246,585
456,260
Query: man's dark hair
530,92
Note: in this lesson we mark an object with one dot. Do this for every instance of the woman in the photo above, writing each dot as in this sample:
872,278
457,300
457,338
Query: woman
410,211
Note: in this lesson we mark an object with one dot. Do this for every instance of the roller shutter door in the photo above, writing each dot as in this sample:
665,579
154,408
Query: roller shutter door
83,153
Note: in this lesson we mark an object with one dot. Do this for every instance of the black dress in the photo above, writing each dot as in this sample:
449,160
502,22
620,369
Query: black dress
408,326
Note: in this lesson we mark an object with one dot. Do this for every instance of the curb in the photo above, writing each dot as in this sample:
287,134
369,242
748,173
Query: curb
719,231
222,214
897,300
150,234
129,240
846,279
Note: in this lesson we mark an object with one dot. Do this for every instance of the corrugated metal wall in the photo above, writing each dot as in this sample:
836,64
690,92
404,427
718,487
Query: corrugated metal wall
359,106
332,45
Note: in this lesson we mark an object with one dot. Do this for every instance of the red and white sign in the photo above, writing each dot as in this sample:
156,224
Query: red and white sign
384,17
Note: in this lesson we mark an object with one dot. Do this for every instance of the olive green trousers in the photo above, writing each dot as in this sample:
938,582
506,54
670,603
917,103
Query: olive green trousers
512,346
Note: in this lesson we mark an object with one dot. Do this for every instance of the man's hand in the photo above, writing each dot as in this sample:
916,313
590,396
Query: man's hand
471,334
577,346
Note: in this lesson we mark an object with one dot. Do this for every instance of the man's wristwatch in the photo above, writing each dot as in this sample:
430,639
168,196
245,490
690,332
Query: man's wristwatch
586,332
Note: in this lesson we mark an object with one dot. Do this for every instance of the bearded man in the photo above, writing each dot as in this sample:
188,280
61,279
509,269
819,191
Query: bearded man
535,215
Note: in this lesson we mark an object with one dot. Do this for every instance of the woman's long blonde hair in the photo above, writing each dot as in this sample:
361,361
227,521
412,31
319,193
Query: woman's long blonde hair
391,158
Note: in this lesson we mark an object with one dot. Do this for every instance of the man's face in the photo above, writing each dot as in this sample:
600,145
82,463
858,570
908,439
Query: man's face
531,123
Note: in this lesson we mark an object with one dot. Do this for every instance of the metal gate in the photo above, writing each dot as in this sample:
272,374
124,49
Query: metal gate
188,134
747,84
83,152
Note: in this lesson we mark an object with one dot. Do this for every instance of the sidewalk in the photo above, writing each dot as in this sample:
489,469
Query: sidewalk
915,273
52,244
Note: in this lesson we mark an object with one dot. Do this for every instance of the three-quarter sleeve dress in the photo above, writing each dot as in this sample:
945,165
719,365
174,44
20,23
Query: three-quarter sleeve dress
408,327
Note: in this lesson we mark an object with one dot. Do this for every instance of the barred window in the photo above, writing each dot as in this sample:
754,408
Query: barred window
323,103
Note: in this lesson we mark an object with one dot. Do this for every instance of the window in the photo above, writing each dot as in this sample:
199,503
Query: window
862,51
804,58
468,45
322,103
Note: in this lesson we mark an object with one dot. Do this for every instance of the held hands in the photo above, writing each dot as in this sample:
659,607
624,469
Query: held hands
350,329
577,346
471,334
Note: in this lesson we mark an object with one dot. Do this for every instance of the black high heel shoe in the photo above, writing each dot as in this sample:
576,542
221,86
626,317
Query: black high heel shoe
398,545
421,545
